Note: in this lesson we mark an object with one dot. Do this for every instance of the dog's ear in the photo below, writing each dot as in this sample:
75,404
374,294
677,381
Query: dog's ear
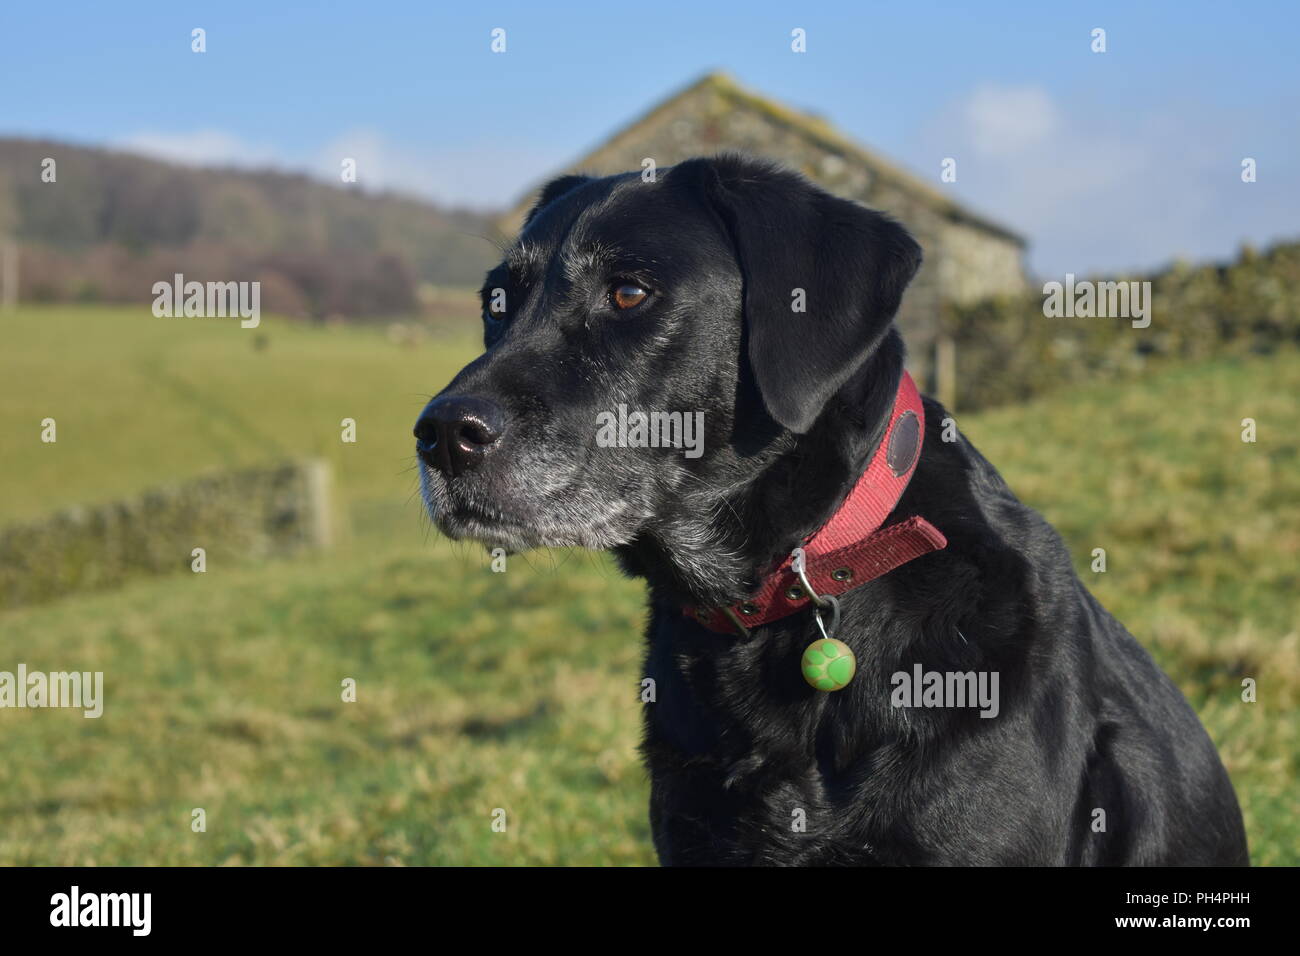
553,191
823,278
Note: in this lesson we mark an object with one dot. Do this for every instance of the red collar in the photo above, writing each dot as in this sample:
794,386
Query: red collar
851,548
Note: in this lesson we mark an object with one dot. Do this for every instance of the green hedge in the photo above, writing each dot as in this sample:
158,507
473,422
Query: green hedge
1007,349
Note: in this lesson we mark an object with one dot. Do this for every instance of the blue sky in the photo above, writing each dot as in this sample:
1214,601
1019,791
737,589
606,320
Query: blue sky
1106,161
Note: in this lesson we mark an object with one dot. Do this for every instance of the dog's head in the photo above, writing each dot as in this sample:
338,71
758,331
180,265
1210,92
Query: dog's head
729,293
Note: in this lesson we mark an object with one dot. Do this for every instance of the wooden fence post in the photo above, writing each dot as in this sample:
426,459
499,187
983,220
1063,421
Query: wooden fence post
945,371
8,275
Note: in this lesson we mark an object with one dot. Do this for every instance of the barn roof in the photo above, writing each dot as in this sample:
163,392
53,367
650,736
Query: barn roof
814,128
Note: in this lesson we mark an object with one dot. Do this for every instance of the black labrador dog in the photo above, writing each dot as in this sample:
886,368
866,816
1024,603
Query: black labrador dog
737,294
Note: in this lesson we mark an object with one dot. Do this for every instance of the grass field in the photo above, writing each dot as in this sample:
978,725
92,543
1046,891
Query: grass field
223,689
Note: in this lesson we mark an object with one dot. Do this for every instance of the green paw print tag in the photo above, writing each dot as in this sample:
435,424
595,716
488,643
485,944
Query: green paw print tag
829,664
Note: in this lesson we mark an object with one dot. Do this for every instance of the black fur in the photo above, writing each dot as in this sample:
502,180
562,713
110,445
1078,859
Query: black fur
737,744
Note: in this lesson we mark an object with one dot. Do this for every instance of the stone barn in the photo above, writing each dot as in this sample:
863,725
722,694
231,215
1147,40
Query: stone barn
967,256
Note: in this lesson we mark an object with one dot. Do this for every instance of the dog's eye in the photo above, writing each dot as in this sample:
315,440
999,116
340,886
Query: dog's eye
627,295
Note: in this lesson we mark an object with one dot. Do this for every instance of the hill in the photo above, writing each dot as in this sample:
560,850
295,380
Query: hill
112,223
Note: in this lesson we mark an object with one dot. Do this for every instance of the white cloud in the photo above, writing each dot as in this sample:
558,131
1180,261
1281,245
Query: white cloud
204,147
1004,120
481,175
475,175
1098,189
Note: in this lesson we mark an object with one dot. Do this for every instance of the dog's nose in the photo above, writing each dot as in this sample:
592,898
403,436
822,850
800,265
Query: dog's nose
455,432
